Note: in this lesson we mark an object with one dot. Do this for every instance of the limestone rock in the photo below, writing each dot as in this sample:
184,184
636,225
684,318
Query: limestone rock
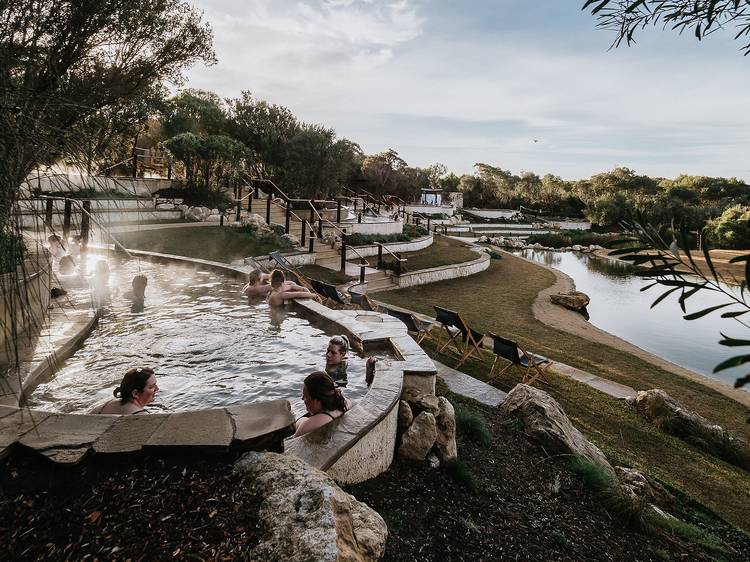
433,461
545,421
417,441
254,220
483,239
445,421
293,240
306,516
405,416
197,214
638,485
574,300
422,402
674,418
213,218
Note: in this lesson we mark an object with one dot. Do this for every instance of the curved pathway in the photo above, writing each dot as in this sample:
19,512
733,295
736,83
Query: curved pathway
573,323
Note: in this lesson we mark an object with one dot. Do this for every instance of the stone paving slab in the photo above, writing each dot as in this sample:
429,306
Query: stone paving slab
468,386
15,425
207,429
65,430
129,433
253,420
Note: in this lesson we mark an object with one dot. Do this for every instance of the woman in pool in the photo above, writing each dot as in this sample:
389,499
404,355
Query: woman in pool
136,391
258,284
280,294
324,403
337,361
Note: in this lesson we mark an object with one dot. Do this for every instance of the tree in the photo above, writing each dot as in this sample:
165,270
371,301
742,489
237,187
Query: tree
701,17
62,61
731,229
380,169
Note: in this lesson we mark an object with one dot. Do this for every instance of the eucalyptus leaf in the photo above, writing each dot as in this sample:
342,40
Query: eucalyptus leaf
709,310
732,362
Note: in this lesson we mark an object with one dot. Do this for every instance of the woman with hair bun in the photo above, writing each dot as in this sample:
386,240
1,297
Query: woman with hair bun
136,391
324,403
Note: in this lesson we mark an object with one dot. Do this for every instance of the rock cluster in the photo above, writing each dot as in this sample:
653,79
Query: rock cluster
544,420
515,243
426,424
200,214
306,516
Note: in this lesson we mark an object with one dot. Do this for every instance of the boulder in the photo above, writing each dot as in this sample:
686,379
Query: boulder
576,247
483,239
197,213
215,211
640,486
421,402
405,416
544,420
674,418
254,219
305,516
293,240
574,300
445,420
213,218
417,441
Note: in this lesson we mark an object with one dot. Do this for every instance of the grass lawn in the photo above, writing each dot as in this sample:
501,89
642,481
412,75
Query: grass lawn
500,300
215,243
324,274
442,251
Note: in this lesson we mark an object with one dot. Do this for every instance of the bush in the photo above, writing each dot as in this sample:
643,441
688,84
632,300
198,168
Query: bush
274,237
471,426
566,238
196,197
731,229
462,474
12,251
551,240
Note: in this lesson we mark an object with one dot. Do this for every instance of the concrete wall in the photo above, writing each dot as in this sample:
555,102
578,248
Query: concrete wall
411,246
442,273
493,213
385,227
431,209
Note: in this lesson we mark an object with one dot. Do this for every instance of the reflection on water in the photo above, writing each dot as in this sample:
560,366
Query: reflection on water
620,307
207,345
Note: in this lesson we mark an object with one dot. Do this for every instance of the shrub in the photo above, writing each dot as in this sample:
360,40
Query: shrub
196,197
462,474
551,240
471,426
565,238
731,229
12,251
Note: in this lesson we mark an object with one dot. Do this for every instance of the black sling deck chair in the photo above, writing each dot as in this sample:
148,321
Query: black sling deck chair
471,338
328,291
535,365
285,265
413,324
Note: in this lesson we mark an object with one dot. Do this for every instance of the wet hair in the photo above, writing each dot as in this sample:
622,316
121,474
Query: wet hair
254,276
134,379
139,286
277,278
320,386
342,341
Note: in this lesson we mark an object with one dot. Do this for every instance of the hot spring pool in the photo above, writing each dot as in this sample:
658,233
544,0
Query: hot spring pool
208,346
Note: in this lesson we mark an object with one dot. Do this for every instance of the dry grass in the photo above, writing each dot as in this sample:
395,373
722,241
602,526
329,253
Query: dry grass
500,300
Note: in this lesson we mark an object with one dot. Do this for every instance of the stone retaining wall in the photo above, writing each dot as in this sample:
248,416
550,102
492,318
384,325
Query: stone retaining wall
442,273
24,298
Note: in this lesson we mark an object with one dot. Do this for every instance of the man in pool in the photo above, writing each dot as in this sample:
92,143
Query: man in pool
258,284
279,294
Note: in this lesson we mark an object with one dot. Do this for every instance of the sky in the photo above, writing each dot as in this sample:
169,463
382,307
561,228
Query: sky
526,85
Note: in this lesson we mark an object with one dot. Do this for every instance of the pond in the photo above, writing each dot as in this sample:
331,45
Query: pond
619,307
208,345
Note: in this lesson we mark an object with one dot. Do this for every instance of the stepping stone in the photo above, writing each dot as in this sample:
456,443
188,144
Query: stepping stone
468,386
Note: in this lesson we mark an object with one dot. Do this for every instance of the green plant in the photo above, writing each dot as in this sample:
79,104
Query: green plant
197,197
472,427
12,251
461,473
731,229
693,533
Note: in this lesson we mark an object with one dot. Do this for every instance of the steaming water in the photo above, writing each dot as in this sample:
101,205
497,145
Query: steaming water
620,307
208,346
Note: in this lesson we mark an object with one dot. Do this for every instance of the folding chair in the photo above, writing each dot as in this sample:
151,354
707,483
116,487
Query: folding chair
471,338
285,265
328,291
413,324
516,355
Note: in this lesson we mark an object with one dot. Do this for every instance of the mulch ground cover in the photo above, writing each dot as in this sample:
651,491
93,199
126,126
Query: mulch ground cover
522,505
144,510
